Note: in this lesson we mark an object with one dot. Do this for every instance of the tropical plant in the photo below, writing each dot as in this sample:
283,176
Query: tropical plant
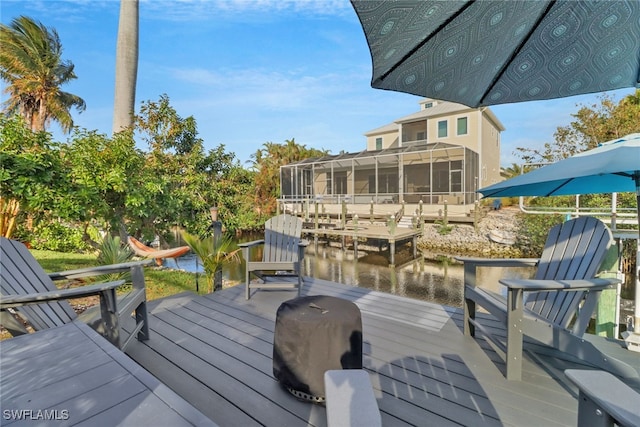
32,65
104,178
214,252
267,162
512,171
112,251
182,179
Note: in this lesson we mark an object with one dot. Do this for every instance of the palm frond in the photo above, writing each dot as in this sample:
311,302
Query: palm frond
213,252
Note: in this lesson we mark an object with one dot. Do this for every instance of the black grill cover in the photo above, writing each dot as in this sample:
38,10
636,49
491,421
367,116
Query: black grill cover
312,335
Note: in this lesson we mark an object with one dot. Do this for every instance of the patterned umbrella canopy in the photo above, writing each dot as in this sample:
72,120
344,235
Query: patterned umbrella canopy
489,52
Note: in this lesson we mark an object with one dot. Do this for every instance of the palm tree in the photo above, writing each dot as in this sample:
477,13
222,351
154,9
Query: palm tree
126,66
32,65
512,171
214,252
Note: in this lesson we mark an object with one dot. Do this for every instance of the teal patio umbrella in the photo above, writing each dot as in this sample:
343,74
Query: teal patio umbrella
490,52
612,167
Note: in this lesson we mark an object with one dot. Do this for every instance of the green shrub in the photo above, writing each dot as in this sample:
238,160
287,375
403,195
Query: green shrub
55,236
533,231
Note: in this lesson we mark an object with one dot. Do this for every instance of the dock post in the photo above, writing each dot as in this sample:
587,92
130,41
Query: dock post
344,213
316,216
355,236
392,252
476,216
392,224
371,212
445,220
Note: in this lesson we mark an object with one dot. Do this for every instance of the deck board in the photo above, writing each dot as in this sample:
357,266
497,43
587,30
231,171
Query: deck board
216,352
77,377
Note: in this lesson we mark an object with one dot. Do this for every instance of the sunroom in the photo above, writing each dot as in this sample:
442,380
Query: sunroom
432,173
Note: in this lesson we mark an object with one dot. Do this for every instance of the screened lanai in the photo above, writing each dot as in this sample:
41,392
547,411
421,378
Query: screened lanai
431,173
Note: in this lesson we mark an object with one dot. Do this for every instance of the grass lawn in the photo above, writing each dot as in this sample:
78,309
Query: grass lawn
160,283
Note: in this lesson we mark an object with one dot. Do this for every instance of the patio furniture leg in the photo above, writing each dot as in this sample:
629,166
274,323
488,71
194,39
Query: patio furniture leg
514,334
469,315
469,304
110,316
137,278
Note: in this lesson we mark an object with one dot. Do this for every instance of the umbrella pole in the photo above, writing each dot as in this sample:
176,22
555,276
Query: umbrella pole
633,339
636,320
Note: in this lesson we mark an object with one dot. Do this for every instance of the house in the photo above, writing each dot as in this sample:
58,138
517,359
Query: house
442,153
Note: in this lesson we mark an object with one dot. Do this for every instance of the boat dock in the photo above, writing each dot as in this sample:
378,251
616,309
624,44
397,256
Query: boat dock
392,236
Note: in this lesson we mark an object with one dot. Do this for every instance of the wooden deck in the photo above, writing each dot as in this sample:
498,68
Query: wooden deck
216,352
70,375
399,236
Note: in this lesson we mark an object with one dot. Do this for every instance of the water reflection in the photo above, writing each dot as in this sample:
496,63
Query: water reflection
421,279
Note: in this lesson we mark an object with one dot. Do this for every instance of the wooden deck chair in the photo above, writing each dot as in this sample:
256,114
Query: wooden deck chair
282,255
559,301
33,296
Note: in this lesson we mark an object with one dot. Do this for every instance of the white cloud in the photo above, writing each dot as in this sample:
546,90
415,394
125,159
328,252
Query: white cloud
265,89
241,10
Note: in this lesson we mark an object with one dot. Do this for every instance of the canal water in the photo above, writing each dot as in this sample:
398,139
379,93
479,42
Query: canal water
440,282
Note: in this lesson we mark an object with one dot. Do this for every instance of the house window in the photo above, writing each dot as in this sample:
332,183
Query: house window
462,126
442,129
428,105
378,143
420,136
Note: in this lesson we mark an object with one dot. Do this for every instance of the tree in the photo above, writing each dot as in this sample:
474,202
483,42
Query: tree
32,65
30,173
592,125
267,162
512,171
126,66
105,178
184,180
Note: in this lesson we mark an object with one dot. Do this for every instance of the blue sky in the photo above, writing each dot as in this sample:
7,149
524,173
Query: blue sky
255,71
